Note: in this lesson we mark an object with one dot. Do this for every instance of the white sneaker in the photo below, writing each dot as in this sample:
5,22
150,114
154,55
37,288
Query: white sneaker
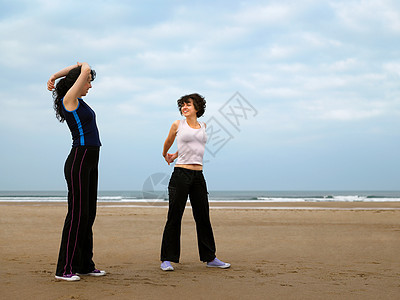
69,277
95,272
216,263
166,266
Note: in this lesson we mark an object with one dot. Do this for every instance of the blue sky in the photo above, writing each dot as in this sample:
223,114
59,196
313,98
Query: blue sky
321,77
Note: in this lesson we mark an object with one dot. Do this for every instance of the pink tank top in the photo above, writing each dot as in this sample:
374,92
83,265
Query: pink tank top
191,143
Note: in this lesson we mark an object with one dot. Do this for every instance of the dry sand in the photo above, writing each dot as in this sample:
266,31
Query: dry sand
334,251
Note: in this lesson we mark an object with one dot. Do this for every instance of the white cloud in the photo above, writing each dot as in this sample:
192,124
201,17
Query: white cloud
349,114
313,39
309,67
348,64
261,15
344,110
371,15
280,52
392,68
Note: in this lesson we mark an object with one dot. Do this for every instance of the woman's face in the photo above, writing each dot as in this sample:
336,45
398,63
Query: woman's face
87,86
188,109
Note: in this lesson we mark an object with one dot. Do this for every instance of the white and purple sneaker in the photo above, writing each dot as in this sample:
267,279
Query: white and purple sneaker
68,277
216,263
95,272
166,266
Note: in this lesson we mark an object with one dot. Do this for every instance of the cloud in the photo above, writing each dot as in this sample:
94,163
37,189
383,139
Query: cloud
368,16
264,15
313,69
342,110
350,114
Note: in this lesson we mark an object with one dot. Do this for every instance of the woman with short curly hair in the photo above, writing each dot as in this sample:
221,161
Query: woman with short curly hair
187,180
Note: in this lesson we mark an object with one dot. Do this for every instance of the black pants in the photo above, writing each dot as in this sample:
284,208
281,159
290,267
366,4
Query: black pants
186,182
81,174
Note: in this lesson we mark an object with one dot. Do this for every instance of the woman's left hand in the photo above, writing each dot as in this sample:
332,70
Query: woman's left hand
51,83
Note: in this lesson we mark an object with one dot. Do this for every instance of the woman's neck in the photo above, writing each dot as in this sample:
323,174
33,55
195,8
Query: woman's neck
192,121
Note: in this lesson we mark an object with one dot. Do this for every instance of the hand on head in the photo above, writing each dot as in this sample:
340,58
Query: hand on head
51,84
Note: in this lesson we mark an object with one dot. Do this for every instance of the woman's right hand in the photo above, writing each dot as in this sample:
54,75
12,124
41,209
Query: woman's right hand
169,158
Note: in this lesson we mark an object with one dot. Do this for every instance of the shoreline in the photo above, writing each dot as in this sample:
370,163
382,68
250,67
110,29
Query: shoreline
358,205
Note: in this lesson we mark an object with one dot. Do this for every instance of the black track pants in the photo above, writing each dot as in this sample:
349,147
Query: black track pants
81,174
184,183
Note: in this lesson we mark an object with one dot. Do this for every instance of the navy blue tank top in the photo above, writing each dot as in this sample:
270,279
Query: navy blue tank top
82,124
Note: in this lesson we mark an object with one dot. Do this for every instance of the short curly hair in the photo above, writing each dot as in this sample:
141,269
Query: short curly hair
199,103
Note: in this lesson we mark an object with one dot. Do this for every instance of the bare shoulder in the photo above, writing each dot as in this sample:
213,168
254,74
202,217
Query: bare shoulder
70,103
175,125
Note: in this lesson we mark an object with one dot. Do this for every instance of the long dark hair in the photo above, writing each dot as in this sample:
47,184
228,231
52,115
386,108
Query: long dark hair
62,88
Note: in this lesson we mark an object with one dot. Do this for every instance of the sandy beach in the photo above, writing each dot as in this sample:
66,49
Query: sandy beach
277,251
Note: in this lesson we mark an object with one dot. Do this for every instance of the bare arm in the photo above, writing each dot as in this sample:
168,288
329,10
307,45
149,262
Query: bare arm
59,74
71,97
169,141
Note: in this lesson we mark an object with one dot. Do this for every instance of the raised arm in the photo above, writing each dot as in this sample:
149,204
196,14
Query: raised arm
59,74
71,97
77,90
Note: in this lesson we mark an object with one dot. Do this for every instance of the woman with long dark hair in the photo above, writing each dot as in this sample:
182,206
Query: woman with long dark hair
80,170
187,180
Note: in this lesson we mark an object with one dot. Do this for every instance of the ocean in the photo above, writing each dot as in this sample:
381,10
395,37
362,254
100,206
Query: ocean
214,196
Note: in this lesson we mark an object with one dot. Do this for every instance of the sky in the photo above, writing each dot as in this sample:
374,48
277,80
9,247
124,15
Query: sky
301,95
